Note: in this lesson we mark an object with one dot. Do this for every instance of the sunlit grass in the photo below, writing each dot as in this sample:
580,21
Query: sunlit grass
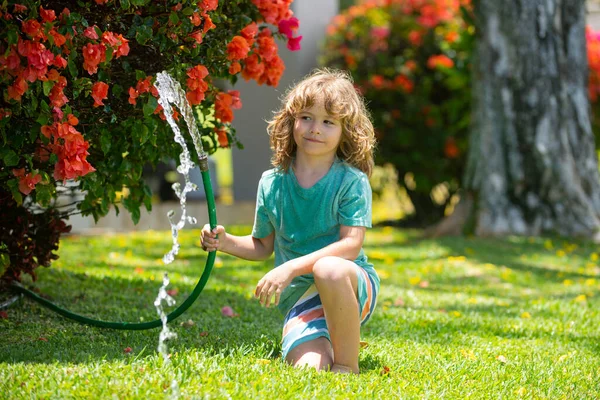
456,318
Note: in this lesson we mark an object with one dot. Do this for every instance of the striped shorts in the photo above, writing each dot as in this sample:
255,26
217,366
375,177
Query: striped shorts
306,319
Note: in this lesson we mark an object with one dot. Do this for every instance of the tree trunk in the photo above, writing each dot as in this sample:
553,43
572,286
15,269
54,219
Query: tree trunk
532,164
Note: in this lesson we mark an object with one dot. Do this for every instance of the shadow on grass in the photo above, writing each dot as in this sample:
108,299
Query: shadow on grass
34,334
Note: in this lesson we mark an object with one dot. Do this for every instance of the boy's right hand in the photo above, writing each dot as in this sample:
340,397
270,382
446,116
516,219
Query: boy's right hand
209,239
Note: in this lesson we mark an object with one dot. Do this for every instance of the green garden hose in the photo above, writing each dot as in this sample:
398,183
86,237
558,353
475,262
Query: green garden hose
212,217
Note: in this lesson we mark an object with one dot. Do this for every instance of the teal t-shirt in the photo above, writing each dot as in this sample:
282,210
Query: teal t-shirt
306,220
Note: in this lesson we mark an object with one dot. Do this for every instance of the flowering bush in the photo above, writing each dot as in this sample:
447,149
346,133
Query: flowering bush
79,104
410,58
593,50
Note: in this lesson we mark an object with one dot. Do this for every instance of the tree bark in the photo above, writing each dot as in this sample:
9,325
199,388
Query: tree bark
532,164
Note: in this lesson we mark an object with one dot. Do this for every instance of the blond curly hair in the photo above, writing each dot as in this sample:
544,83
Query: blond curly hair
335,89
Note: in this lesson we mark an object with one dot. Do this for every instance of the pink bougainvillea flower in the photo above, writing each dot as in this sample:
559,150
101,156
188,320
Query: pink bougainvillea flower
227,311
288,27
127,350
293,44
90,33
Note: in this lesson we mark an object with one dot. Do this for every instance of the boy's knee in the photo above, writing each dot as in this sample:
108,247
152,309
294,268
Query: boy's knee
330,269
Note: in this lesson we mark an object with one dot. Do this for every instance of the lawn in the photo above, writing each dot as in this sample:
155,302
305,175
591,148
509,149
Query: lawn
456,318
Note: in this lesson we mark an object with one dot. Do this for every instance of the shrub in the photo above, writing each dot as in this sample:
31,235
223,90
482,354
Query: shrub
80,107
593,49
410,58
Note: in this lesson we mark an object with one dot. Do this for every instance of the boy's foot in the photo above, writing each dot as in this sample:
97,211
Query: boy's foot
342,369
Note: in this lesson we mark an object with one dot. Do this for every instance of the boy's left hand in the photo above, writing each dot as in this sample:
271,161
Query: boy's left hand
271,284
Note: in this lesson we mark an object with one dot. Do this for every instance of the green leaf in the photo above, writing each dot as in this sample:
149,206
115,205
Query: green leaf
105,141
139,74
13,184
150,106
13,36
43,194
125,4
34,132
140,2
187,11
144,133
42,119
143,34
72,67
173,18
11,159
109,54
47,87
117,90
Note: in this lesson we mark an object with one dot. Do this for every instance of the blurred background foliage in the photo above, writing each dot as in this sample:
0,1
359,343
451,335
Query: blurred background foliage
411,59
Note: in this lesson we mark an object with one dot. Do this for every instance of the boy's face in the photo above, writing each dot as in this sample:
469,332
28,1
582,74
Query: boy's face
316,133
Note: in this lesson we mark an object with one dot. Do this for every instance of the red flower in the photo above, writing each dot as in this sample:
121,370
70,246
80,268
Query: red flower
273,11
208,5
197,72
238,48
222,137
197,36
440,61
249,33
377,81
235,67
47,15
59,39
56,95
253,68
415,38
90,33
195,19
32,28
208,24
236,102
27,182
72,120
93,54
17,89
451,150
267,49
119,44
223,104
133,95
99,93
19,8
403,82
59,62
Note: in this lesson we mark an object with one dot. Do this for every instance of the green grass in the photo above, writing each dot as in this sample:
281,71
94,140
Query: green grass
456,318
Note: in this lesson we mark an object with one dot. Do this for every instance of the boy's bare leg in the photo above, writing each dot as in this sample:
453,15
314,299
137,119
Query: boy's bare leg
337,283
315,353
